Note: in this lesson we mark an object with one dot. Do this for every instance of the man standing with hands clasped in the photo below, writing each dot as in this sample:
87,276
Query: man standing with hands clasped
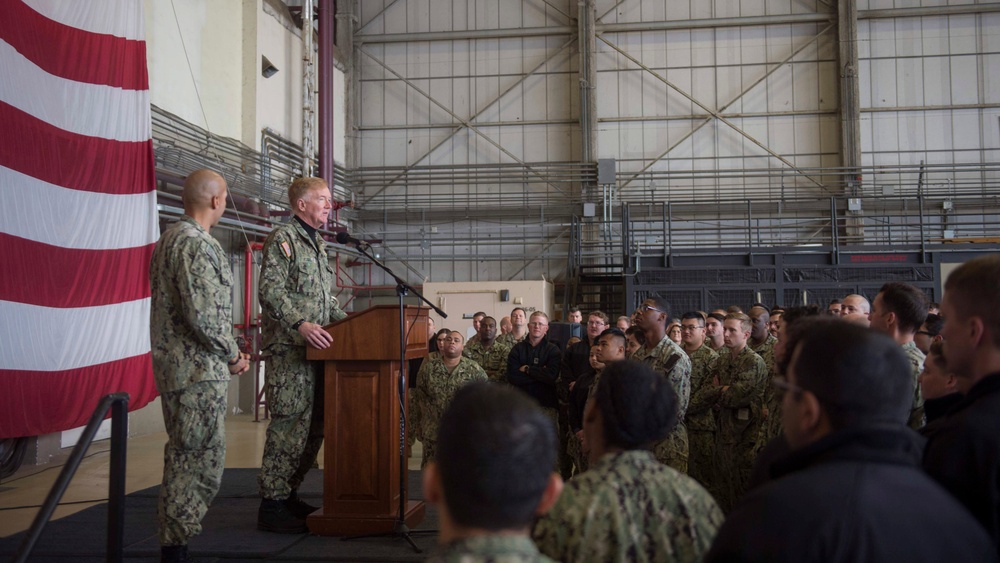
295,294
194,354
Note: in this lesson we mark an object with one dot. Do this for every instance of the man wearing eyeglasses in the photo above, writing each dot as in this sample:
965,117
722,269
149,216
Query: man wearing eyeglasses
852,488
898,311
437,382
666,357
700,418
533,365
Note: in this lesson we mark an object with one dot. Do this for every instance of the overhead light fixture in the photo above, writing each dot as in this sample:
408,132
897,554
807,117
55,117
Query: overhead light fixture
267,68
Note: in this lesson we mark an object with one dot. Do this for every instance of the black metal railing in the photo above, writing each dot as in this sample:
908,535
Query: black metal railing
118,403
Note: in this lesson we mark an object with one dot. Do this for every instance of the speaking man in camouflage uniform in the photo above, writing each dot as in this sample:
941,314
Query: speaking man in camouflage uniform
194,354
628,506
437,382
898,311
488,351
666,357
492,476
739,378
296,297
700,418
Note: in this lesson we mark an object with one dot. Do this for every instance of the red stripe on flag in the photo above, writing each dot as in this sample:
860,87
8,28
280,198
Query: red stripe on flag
72,53
41,402
37,149
52,276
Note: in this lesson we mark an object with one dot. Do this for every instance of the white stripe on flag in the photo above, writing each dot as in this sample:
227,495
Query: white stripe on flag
48,339
93,110
50,214
121,18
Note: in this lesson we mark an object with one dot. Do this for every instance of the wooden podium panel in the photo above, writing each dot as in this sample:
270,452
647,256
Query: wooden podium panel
361,456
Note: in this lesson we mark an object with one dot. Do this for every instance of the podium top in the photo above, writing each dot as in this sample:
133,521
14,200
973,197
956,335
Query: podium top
373,334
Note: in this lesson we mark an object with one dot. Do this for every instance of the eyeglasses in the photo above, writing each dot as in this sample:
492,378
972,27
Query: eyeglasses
643,308
924,332
596,323
690,328
538,324
783,386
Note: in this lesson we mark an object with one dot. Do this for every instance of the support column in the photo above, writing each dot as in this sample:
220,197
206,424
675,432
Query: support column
850,114
327,35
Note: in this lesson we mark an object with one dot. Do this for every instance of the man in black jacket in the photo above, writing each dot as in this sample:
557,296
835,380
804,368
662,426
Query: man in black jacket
852,488
533,365
963,453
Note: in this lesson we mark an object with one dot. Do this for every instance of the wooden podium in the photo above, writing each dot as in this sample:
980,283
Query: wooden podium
361,452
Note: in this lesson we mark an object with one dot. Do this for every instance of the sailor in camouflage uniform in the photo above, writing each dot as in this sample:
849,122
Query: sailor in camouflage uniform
665,356
898,311
761,339
488,351
739,379
518,328
492,476
700,417
628,506
437,382
194,354
296,297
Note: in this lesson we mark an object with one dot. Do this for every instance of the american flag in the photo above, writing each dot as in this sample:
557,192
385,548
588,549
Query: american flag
78,214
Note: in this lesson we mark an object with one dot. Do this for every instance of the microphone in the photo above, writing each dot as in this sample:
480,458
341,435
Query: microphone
344,238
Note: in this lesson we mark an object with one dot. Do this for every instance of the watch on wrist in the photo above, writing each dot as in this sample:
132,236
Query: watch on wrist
298,324
236,361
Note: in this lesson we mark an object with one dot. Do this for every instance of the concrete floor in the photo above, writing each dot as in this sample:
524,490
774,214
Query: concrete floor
28,488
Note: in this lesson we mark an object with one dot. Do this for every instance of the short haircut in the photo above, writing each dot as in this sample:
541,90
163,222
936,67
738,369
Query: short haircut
495,453
488,317
934,324
973,291
834,302
460,335
479,314
302,186
637,405
717,316
695,316
601,315
793,332
744,320
858,375
637,333
663,306
734,309
908,302
539,314
761,305
518,309
614,332
934,305
574,310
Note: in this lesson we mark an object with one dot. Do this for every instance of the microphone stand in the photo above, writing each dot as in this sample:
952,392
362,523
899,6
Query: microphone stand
400,529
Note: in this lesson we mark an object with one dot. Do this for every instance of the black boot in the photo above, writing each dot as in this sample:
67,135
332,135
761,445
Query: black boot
298,507
174,554
274,516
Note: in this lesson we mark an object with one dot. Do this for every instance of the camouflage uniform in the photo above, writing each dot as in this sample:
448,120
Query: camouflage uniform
191,336
493,360
738,420
770,425
629,507
916,357
508,339
296,283
489,549
436,385
700,418
673,450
